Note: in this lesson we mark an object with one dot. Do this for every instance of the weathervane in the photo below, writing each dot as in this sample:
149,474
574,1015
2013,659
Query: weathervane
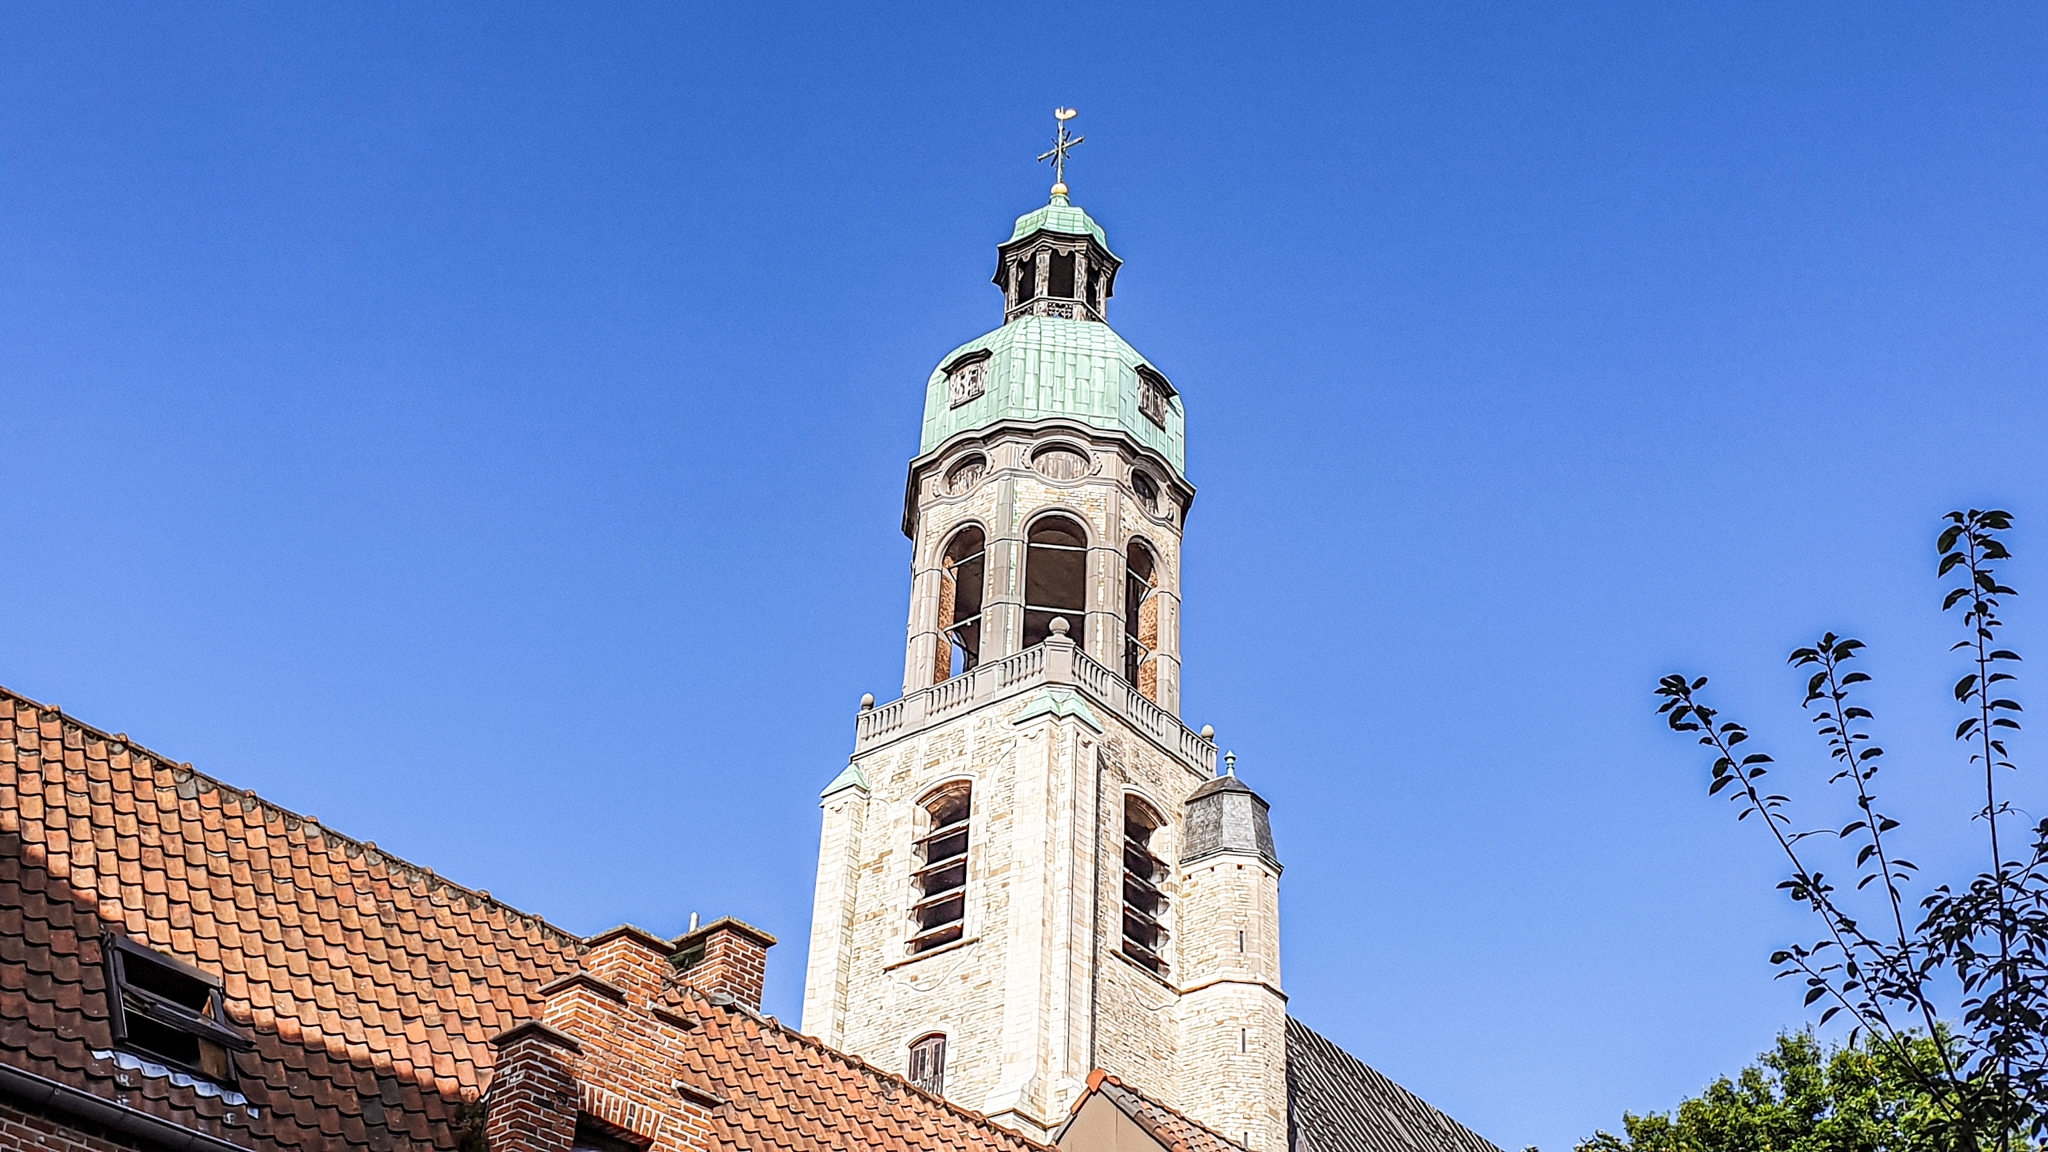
1061,144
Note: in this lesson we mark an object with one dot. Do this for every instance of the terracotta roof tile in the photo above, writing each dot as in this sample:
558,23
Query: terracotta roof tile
370,985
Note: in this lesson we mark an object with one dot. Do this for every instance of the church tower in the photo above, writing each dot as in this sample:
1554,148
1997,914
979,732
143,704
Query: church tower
1030,867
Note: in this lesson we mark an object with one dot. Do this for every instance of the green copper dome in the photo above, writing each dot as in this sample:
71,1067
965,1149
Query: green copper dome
1058,216
1041,366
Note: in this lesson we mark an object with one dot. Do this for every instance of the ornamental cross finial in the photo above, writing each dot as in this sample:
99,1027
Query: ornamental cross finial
1061,144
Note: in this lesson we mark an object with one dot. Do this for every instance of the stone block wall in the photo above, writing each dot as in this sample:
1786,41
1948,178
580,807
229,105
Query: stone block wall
1036,994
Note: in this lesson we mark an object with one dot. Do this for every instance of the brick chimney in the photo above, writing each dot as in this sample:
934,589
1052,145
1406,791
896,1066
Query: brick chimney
533,1097
726,957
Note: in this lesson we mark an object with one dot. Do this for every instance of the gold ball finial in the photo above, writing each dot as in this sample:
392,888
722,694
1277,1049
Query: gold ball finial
1060,189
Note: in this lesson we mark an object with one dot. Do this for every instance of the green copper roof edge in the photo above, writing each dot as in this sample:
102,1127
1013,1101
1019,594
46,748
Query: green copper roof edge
1059,217
852,777
1052,702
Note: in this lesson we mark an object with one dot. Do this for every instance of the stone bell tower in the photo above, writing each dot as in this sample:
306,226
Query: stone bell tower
1030,868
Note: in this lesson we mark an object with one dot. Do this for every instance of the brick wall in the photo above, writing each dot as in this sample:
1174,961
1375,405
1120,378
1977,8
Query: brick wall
35,1132
734,962
533,1097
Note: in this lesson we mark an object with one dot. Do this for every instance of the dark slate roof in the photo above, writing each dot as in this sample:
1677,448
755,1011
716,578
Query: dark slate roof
1336,1103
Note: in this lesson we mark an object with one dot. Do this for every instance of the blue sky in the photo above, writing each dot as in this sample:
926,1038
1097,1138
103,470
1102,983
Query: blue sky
484,428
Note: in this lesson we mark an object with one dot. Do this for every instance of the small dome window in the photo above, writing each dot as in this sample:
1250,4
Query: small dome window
1060,462
966,378
1153,394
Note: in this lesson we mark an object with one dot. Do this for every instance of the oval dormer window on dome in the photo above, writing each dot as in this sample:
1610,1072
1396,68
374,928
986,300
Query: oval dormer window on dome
1153,395
966,378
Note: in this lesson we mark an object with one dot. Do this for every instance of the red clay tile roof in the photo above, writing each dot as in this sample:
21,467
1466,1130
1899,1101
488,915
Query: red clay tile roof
370,985
786,1090
1175,1132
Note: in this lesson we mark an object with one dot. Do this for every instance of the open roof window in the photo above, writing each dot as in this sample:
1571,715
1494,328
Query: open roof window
169,1012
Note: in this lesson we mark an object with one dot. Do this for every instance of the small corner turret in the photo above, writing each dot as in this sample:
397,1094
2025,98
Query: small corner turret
1225,815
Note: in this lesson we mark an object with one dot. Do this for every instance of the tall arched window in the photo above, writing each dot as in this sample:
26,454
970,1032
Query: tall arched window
1144,900
938,887
1141,620
1055,579
960,585
928,1063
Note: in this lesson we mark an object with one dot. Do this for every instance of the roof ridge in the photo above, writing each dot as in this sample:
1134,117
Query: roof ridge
864,1066
185,768
1111,1079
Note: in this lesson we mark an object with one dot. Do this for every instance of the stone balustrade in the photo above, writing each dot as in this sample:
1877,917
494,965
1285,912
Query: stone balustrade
1058,662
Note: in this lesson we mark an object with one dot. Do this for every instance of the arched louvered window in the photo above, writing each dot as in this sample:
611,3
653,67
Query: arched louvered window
1141,620
1055,579
928,1063
960,588
1144,898
938,912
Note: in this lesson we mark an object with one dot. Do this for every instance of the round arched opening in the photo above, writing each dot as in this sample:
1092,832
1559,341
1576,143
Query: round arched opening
1055,578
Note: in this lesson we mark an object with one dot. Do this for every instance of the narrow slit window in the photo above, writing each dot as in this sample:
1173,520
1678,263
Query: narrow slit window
1055,579
169,1012
1144,896
1141,620
928,1064
960,592
938,912
1059,275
